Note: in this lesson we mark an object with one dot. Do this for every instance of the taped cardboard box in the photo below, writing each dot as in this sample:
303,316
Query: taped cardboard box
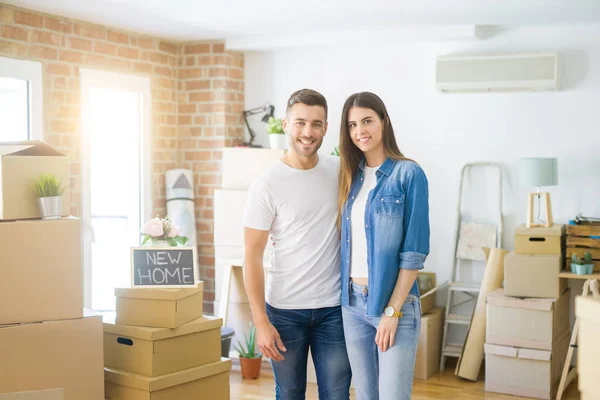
57,354
210,381
41,270
528,323
587,310
50,394
533,276
428,298
159,351
525,372
540,240
21,164
430,344
158,308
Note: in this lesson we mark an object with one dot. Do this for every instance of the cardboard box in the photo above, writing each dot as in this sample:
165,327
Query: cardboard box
209,381
428,298
21,163
430,344
528,323
41,270
587,310
57,354
525,372
159,351
241,165
533,276
50,394
158,308
540,240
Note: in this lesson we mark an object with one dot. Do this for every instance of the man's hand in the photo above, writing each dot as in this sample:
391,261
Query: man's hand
269,341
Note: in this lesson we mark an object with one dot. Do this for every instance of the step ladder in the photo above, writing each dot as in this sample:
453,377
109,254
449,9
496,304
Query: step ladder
470,238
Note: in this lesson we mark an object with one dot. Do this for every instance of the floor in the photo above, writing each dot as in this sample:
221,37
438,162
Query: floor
440,386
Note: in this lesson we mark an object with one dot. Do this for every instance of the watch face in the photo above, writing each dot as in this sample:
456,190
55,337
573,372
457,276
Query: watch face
389,311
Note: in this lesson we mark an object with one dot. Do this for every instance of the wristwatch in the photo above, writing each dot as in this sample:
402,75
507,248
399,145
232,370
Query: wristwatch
391,312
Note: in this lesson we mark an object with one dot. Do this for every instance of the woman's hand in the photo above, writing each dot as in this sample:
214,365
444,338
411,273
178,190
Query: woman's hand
386,332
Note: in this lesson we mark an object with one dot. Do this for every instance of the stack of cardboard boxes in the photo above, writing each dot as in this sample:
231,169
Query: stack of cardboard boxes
527,335
161,347
48,348
588,351
430,339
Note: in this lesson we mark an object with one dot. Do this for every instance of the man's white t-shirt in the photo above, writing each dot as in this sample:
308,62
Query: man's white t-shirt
299,208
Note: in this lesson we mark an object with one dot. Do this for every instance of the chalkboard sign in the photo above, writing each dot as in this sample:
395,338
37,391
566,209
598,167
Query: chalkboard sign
164,267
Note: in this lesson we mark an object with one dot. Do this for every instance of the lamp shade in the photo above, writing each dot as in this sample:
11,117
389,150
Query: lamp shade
538,171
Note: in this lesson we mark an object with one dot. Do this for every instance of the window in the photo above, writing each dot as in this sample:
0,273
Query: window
20,100
116,193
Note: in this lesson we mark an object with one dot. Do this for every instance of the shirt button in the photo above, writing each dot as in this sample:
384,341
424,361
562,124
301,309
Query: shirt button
352,197
367,225
347,218
382,199
397,201
348,240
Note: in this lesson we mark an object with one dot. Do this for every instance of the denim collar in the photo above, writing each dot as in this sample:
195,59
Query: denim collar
386,168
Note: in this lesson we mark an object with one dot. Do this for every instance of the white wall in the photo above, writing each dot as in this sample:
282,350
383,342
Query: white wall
445,131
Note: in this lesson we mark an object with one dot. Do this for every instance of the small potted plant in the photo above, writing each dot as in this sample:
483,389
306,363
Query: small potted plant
49,191
160,232
276,133
582,266
250,359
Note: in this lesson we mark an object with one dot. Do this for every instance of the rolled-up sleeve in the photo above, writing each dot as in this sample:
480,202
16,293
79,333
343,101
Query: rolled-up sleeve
415,243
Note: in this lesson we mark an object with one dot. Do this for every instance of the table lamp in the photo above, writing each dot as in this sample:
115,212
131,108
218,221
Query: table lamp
538,172
267,109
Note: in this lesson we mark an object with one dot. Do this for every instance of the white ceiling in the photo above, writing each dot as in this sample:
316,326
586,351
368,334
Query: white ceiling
241,20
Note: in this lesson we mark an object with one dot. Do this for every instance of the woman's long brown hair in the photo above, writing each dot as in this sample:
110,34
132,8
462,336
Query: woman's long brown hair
350,155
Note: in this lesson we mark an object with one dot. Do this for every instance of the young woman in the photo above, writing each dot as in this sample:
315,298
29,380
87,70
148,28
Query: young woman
384,222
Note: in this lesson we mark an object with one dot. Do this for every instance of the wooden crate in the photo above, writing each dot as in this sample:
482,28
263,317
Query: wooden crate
582,238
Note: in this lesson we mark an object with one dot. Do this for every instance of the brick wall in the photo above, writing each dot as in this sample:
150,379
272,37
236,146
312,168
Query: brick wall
210,100
197,98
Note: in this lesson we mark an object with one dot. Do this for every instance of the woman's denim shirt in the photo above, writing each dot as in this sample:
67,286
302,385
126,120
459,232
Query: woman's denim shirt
396,226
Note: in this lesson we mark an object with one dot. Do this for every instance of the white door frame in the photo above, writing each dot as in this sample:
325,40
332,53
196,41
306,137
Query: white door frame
30,71
110,80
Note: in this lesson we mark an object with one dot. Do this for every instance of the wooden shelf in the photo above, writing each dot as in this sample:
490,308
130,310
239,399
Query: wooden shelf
570,275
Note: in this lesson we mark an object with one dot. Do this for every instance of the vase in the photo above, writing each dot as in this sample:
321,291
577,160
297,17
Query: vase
251,367
50,207
277,141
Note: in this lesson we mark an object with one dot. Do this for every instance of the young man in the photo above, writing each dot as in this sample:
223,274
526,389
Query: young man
295,202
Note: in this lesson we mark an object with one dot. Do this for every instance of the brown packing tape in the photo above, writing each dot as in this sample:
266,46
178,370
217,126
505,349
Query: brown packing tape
469,362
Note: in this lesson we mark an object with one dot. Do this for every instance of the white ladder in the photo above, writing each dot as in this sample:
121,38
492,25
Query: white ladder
470,238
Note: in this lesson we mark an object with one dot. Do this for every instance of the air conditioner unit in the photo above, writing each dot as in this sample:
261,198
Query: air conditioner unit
497,73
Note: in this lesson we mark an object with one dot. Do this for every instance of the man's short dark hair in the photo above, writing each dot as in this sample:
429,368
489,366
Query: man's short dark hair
308,97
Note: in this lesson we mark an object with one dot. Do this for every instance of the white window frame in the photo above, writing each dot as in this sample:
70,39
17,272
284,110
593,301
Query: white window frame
30,71
111,80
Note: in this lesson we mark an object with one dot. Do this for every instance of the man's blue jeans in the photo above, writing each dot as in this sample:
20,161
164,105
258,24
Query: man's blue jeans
322,331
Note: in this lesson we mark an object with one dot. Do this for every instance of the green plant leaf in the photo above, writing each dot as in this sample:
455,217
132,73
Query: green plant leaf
172,242
146,239
240,349
47,185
